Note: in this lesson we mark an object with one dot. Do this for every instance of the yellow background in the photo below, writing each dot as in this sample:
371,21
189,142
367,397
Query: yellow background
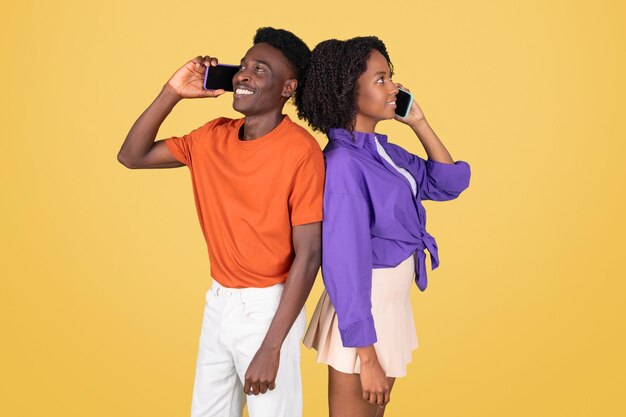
104,269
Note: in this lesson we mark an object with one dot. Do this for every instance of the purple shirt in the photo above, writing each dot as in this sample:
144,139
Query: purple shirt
372,220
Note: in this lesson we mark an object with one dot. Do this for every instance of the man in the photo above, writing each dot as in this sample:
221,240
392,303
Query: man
258,184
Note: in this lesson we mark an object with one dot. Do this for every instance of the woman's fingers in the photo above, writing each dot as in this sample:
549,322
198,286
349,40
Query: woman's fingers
381,398
402,87
387,397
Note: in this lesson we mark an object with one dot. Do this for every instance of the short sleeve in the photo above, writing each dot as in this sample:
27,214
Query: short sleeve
181,147
305,200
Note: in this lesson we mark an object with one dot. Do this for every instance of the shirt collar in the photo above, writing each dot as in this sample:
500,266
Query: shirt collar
360,138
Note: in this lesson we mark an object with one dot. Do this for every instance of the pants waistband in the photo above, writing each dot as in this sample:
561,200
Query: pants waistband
219,290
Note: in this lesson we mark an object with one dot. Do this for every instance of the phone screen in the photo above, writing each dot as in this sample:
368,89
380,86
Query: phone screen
220,77
404,99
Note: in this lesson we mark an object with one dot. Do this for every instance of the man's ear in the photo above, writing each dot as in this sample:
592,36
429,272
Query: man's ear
290,87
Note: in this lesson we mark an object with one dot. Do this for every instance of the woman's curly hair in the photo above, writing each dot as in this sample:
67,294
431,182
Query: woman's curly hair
329,88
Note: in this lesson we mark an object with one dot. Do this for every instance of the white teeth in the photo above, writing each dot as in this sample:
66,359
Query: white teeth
243,91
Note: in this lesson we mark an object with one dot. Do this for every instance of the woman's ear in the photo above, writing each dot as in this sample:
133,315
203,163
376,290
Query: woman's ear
290,87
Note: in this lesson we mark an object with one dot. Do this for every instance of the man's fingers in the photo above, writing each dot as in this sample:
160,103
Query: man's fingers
213,93
380,398
366,395
254,387
208,60
204,61
198,61
266,386
387,396
248,389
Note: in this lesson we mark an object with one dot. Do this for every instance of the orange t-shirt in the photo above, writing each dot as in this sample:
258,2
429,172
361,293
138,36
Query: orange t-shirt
249,194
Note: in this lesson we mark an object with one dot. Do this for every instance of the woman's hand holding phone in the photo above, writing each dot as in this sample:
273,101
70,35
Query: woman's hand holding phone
415,112
188,81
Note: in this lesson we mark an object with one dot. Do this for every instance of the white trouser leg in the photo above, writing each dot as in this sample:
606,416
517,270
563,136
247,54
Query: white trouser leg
237,321
217,389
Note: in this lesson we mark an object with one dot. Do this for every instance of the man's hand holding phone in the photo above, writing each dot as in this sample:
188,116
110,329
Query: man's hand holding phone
188,81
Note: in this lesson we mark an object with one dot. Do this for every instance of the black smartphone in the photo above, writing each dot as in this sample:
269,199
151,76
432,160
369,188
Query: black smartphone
220,77
404,99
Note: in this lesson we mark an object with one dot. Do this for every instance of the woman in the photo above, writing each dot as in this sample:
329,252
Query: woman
374,232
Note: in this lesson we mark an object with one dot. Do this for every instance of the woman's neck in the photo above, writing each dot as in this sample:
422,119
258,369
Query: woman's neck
365,124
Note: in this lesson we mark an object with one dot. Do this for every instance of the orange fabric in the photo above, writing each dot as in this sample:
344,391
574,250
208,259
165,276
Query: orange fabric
249,194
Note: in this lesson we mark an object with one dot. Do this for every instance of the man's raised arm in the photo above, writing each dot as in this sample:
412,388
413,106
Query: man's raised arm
139,149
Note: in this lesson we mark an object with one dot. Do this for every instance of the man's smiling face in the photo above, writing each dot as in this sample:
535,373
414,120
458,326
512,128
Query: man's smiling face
261,85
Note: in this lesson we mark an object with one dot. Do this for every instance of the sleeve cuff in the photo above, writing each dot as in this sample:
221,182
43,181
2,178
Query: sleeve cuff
454,177
306,220
359,334
176,153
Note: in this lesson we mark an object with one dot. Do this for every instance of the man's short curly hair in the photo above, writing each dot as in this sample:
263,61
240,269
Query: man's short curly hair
329,89
293,48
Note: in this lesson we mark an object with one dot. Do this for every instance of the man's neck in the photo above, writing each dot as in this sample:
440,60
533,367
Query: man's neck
260,125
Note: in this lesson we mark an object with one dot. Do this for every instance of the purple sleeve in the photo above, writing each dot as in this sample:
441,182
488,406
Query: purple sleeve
347,266
439,181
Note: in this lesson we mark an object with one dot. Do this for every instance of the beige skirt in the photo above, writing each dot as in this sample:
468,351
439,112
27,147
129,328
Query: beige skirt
393,318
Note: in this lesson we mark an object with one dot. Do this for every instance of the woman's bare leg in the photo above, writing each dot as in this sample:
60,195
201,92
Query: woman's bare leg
345,396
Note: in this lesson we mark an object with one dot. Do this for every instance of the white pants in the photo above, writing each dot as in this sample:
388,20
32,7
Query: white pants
234,325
